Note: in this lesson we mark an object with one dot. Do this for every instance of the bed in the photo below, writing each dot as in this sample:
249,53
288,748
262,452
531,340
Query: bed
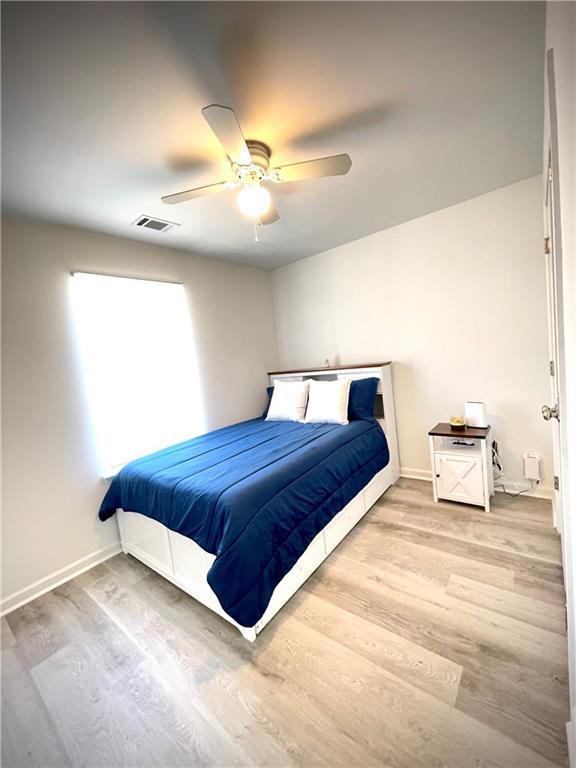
239,518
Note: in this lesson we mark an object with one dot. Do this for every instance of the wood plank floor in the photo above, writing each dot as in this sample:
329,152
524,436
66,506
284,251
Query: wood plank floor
433,636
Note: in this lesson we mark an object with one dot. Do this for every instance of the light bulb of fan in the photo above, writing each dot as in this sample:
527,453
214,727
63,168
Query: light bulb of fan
253,201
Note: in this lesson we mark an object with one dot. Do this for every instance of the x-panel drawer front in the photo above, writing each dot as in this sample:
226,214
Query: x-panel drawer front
459,478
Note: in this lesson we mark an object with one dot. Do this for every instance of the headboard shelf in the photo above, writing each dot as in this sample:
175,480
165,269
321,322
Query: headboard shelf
319,368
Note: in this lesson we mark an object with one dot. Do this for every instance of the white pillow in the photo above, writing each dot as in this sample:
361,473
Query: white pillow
288,401
328,402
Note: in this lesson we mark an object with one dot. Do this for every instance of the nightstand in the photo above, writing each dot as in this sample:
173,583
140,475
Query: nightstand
461,464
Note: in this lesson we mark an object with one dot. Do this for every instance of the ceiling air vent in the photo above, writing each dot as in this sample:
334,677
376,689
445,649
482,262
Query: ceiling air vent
147,222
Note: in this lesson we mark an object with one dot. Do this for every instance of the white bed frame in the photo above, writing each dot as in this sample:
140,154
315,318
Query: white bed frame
185,564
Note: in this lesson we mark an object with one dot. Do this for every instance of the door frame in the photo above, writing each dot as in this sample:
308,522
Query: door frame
553,230
568,532
553,266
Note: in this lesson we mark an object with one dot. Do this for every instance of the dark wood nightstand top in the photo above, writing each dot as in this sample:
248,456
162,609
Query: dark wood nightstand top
445,430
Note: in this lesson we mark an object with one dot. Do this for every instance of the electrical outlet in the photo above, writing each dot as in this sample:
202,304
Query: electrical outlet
532,466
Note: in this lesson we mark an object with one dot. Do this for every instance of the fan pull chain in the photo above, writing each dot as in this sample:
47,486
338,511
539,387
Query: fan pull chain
256,225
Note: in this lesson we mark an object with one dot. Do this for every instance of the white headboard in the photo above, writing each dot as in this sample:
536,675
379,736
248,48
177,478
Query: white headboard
384,407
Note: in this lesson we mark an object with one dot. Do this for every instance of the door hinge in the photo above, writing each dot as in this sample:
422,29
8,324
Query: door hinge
547,246
552,368
556,483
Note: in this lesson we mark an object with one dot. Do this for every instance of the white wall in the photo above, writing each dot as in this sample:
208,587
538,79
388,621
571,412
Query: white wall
561,36
455,299
52,490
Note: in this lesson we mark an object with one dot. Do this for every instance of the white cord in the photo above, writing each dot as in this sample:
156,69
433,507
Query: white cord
501,481
500,478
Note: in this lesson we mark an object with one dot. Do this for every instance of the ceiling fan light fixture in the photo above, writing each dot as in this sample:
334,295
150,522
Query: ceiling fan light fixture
253,201
250,165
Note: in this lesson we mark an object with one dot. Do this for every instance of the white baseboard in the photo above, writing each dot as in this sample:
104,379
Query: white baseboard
56,578
539,493
416,474
426,474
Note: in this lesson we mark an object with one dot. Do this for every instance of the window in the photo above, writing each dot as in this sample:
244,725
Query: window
138,358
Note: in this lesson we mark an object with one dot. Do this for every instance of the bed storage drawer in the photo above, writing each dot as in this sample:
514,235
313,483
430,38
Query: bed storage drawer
315,549
304,567
343,523
374,490
191,566
191,562
146,539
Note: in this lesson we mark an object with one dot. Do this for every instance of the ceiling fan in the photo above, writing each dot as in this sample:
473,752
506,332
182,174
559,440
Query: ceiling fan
250,165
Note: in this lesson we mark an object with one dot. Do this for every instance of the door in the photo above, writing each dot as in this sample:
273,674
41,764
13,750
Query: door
552,411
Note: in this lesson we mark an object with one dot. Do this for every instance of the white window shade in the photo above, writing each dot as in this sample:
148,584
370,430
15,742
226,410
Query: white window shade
139,362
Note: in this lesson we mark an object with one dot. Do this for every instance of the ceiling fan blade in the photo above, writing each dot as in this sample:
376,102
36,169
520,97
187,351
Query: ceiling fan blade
369,117
270,216
225,125
190,194
335,165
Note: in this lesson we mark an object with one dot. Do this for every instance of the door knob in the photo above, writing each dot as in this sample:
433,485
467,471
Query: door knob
550,413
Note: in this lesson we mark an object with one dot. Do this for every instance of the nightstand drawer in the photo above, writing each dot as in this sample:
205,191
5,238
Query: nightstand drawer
459,478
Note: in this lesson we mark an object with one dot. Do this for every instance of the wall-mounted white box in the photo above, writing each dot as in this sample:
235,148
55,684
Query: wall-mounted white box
532,466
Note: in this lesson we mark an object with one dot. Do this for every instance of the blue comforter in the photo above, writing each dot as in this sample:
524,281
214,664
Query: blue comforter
254,494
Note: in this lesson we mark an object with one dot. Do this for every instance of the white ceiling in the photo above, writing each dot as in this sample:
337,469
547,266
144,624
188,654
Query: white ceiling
435,102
